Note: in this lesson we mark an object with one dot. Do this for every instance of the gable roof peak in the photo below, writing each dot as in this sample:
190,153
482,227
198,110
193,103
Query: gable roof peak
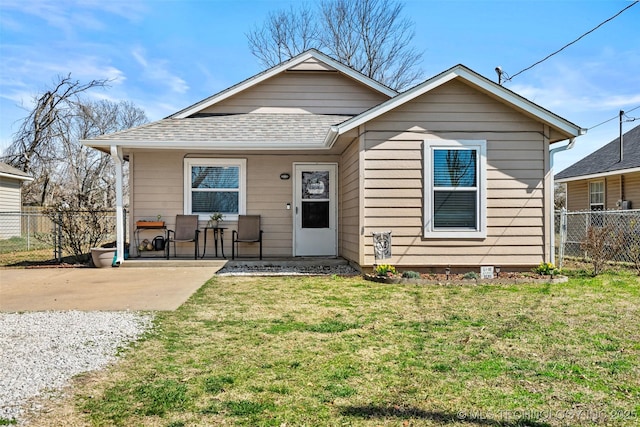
277,69
476,80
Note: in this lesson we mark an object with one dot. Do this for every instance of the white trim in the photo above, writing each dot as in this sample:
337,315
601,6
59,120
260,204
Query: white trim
199,145
116,155
599,175
460,71
603,182
18,177
333,198
189,162
429,230
279,69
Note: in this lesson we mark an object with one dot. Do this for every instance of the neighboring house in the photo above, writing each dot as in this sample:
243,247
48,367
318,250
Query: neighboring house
11,180
605,180
457,168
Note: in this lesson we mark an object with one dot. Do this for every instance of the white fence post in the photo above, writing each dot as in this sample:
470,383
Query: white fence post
563,236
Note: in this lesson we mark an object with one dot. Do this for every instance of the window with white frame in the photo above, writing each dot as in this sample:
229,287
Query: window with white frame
455,188
596,203
215,185
596,195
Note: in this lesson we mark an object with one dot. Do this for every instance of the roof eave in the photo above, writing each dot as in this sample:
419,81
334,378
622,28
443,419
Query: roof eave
208,145
13,176
598,175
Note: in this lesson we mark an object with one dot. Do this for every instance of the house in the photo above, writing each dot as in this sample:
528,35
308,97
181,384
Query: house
606,179
11,180
456,168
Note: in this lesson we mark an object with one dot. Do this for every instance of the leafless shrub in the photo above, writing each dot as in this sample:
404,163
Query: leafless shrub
601,244
79,228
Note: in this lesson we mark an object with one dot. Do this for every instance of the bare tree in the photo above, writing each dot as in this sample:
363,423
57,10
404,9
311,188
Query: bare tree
47,146
371,36
284,35
35,146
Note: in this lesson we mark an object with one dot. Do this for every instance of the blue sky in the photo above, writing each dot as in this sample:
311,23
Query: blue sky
164,55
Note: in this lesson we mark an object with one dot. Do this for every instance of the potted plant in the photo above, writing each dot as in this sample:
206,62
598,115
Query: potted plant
215,219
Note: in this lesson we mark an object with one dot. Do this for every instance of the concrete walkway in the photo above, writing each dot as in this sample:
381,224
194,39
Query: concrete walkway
105,289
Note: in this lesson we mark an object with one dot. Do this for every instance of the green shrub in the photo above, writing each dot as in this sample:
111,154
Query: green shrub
410,275
471,275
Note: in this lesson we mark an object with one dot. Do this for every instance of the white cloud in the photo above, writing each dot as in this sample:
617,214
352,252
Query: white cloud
158,71
69,15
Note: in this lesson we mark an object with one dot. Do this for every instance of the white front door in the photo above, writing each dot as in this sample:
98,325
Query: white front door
316,221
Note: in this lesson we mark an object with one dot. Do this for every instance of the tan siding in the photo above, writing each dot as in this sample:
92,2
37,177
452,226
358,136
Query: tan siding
632,189
159,186
318,93
577,195
349,205
393,193
612,192
578,192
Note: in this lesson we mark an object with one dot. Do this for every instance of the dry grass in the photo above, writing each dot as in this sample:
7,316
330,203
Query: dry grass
337,351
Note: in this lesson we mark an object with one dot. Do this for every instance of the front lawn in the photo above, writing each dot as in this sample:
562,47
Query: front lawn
324,351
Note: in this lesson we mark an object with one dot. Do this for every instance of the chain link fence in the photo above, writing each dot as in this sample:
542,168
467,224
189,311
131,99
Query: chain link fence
33,229
623,228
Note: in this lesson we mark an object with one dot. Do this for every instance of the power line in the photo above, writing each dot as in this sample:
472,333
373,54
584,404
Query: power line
569,44
617,116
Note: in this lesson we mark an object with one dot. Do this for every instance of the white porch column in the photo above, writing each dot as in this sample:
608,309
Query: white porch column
116,154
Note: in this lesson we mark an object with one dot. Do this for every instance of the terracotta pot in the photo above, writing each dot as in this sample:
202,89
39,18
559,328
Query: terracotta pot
102,257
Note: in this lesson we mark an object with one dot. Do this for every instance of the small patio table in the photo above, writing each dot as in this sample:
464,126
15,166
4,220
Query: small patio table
216,231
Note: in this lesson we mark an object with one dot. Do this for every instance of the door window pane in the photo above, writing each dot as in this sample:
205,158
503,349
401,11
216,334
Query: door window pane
315,214
315,185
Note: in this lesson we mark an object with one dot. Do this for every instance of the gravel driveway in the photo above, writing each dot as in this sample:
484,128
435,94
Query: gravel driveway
40,352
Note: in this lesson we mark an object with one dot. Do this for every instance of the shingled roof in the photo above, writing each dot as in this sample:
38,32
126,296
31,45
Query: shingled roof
606,160
11,172
225,131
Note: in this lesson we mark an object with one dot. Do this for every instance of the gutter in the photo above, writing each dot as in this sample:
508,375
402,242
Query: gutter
331,137
116,155
18,177
552,153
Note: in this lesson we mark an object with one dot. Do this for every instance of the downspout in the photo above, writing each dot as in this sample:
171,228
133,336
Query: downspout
552,153
116,155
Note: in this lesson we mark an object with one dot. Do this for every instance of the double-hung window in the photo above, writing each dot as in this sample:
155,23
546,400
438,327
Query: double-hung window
215,185
596,195
455,189
596,202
